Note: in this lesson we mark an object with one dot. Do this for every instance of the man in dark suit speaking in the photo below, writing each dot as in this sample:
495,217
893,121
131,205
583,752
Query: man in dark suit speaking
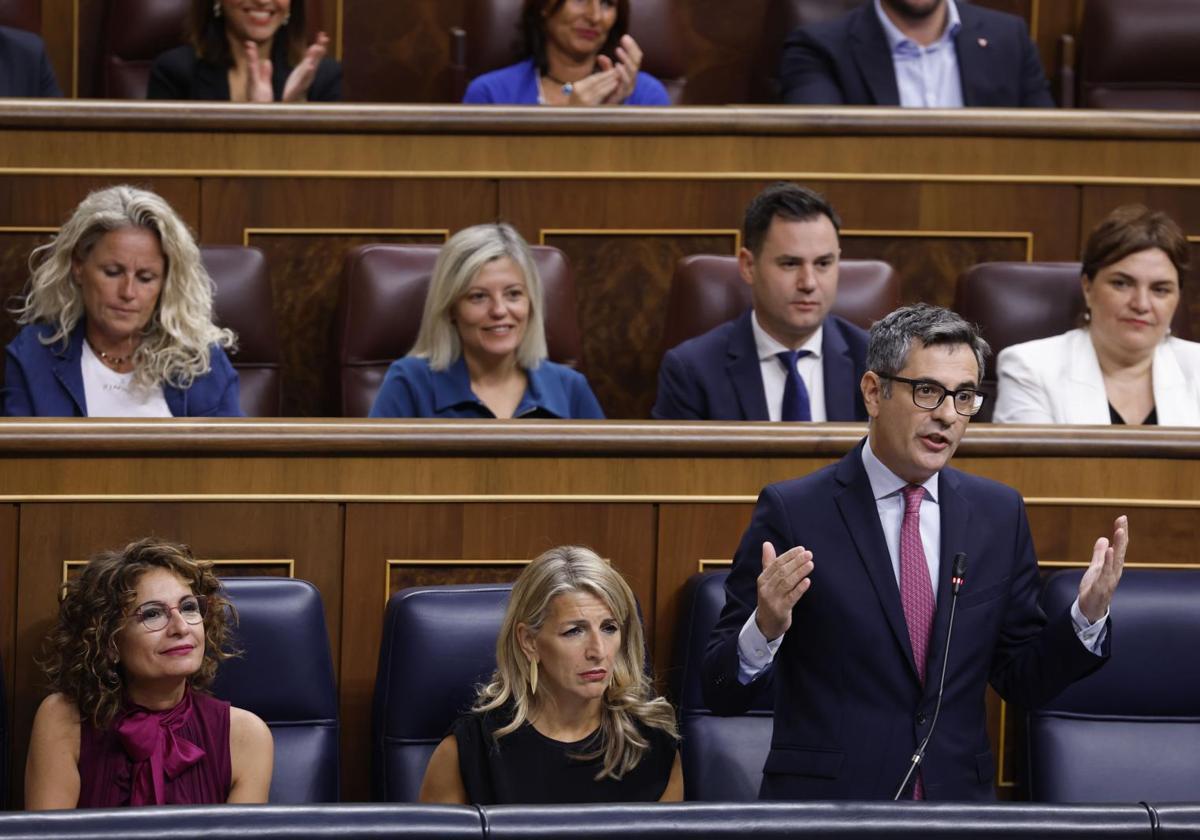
841,588
915,53
788,358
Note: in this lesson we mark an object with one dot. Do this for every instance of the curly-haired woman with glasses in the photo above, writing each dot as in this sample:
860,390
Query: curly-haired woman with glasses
139,635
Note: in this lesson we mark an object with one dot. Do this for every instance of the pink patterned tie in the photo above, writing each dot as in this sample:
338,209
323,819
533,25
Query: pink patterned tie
916,592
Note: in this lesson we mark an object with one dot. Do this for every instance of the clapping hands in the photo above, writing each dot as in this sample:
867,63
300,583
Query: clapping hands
259,71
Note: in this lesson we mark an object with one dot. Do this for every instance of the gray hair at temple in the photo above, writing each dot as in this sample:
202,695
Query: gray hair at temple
892,337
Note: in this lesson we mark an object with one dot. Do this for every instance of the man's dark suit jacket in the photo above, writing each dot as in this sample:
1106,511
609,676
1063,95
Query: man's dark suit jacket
717,376
849,708
847,61
24,68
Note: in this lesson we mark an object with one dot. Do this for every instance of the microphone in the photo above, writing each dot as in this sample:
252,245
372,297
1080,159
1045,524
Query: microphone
958,577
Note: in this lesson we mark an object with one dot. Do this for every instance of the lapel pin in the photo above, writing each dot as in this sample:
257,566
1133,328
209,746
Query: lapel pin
983,42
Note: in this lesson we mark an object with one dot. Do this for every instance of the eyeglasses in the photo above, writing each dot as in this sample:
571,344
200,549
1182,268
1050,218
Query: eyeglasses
929,395
155,615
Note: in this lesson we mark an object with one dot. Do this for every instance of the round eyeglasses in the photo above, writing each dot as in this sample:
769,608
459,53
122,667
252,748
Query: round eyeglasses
929,395
155,615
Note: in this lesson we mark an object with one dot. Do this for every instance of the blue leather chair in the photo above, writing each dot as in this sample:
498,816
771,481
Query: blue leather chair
439,642
722,756
285,676
1131,730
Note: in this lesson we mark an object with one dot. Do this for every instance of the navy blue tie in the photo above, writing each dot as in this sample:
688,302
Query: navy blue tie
795,395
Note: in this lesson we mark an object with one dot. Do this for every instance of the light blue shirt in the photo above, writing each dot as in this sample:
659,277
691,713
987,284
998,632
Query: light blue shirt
927,77
755,652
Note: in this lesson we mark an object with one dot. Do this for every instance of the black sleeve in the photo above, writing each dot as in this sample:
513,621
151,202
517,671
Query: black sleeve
171,74
327,86
1035,89
47,83
806,72
474,744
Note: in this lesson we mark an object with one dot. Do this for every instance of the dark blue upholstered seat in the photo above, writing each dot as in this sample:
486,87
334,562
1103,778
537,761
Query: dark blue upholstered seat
439,642
285,676
722,756
1130,731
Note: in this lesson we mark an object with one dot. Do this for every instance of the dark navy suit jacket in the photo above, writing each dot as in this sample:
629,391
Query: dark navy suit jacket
46,380
847,61
24,68
717,376
849,707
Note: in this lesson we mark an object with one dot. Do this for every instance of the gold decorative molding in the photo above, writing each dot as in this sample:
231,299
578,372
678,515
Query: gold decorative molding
287,562
735,233
947,234
393,563
254,231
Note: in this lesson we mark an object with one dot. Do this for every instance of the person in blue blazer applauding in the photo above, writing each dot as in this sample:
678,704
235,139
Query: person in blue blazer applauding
577,52
481,349
118,319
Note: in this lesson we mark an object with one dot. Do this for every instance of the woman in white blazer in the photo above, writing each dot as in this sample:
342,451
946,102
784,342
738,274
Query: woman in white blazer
1123,365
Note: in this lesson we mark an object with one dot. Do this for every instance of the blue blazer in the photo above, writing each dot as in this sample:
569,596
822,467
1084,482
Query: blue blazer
847,61
24,67
412,388
849,707
46,380
517,84
718,376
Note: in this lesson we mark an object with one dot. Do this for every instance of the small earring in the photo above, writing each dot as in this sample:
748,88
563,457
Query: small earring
532,677
1087,316
216,8
287,18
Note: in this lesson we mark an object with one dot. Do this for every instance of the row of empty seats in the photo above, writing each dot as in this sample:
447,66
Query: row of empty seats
1128,55
383,290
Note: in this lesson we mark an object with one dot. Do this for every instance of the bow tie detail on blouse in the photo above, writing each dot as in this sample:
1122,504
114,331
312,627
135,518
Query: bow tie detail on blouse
157,751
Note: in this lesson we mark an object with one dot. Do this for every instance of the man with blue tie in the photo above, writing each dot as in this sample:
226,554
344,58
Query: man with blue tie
842,587
916,54
787,358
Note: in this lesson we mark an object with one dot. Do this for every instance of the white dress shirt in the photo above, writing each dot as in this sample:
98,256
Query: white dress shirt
774,377
926,77
756,652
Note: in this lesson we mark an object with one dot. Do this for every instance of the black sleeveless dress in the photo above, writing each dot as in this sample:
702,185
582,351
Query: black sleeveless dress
526,767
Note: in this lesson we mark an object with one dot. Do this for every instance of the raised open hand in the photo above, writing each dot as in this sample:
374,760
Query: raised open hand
1100,580
295,89
783,581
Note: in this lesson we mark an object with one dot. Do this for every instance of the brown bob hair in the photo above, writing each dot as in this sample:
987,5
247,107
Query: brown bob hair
208,36
81,650
533,28
1132,228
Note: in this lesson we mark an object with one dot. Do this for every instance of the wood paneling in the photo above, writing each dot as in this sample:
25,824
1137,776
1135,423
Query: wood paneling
51,534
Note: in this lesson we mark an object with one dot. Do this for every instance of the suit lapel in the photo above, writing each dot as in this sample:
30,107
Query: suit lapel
745,372
839,374
954,513
856,502
873,56
973,67
68,369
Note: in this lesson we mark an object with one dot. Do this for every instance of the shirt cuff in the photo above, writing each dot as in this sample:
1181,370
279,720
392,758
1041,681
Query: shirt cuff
1092,635
755,653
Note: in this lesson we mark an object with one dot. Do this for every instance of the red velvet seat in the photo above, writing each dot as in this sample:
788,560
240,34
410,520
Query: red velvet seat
1140,55
490,38
243,303
135,33
707,290
381,300
22,14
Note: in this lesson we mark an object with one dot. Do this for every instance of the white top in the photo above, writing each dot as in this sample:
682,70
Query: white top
774,377
1058,380
111,394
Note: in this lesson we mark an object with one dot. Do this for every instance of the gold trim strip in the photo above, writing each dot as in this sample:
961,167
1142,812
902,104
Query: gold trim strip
735,233
339,34
1000,750
948,234
1033,501
27,229
1033,19
74,49
255,231
516,175
289,562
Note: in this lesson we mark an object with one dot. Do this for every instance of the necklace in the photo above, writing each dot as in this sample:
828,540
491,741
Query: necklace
111,361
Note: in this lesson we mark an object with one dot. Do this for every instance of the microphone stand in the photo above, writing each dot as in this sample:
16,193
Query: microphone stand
957,579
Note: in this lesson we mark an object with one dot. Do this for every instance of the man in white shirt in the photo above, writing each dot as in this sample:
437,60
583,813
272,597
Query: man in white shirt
841,590
787,358
915,53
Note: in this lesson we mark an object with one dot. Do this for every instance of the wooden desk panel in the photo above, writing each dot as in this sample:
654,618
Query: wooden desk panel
344,498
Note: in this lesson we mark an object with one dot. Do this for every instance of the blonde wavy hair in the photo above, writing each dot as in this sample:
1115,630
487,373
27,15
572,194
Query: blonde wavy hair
175,344
629,698
80,654
458,264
